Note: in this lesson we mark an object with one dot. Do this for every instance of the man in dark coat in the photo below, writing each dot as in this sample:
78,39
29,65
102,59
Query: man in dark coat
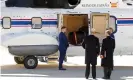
108,46
112,36
92,49
63,45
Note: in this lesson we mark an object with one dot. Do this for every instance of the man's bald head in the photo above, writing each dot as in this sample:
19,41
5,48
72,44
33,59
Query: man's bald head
93,31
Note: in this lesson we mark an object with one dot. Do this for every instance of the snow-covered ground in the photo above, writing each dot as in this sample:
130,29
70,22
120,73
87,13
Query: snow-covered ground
125,60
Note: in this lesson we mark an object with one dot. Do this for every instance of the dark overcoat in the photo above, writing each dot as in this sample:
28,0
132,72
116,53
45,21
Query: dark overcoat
92,49
112,36
108,46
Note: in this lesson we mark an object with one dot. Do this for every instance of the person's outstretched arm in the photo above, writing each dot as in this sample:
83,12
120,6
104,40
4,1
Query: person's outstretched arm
65,40
83,43
113,43
60,37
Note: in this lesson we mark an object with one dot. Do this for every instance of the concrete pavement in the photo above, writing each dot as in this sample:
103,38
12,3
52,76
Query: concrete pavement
15,72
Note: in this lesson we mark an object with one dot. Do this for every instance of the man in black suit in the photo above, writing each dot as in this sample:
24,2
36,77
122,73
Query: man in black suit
92,49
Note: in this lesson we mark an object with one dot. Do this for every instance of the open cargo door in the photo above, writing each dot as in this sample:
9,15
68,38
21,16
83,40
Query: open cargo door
100,21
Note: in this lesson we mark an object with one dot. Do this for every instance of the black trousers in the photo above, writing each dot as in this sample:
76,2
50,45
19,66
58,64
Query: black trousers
107,72
87,72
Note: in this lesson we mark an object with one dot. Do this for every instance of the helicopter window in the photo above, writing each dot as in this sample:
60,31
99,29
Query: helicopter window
36,23
112,23
6,22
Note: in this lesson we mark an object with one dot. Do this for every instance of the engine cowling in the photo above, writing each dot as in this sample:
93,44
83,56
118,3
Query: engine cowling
66,4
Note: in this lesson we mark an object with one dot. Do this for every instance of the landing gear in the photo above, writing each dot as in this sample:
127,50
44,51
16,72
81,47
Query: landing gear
46,59
42,59
30,62
19,60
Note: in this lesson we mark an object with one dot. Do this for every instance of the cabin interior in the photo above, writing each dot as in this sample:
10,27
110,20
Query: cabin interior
77,27
74,22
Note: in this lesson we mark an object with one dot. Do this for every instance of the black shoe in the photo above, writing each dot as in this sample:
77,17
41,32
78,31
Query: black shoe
112,69
62,69
86,77
94,79
104,78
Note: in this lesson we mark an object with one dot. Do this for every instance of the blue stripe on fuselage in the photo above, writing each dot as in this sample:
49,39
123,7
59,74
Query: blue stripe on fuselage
29,22
20,22
55,22
49,22
124,21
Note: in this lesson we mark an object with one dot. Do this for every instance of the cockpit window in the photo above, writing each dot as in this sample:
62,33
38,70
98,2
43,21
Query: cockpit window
6,22
36,23
112,23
